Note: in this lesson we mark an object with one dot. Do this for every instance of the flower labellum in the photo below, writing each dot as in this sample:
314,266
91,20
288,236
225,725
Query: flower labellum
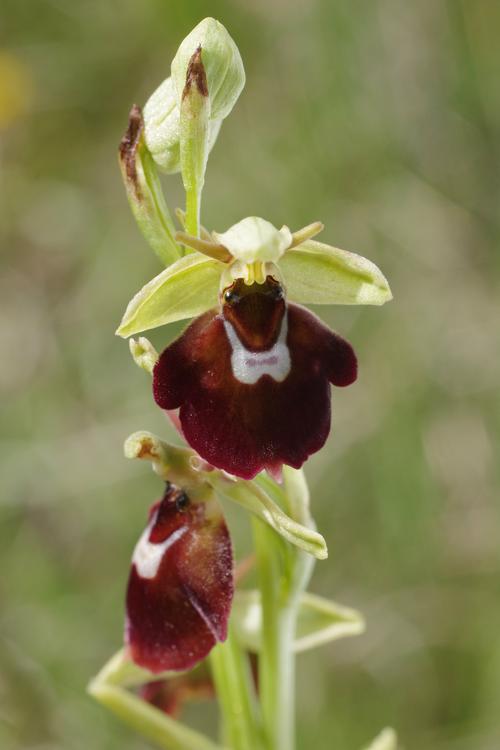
252,382
181,584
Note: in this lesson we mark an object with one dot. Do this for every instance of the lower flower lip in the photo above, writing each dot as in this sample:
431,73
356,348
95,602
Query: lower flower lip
180,586
258,419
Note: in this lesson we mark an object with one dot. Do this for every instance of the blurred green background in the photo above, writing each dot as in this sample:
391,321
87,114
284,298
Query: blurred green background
382,119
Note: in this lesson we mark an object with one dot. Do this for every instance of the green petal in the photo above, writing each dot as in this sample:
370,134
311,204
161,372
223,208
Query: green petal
143,353
319,274
187,288
319,621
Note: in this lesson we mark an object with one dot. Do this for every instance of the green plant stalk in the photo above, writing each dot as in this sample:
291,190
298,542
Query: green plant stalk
241,727
276,659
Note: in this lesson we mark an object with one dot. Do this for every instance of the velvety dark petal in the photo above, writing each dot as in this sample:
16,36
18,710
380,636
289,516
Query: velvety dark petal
337,355
244,409
181,584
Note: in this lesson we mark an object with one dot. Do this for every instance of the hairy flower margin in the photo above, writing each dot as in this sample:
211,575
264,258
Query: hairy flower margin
248,385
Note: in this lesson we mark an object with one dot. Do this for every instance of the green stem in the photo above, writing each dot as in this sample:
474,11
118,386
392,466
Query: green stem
276,659
193,203
236,696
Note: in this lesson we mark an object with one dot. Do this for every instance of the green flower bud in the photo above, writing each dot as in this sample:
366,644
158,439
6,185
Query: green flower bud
161,128
222,63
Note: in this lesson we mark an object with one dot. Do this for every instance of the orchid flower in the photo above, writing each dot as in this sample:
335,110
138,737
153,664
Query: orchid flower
251,375
181,584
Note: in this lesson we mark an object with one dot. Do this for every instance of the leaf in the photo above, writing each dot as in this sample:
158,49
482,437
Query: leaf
319,621
187,288
386,740
315,273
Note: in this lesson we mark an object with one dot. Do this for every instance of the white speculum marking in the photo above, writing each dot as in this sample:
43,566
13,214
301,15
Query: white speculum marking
248,367
147,555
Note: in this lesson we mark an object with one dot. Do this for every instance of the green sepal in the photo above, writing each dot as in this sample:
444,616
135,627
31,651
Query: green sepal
144,191
386,740
187,288
319,274
319,621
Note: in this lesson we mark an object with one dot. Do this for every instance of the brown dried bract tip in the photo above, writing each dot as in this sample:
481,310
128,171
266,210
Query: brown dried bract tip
128,146
196,75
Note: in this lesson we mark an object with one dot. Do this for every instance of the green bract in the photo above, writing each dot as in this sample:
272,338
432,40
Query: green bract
222,62
313,273
144,191
252,497
319,621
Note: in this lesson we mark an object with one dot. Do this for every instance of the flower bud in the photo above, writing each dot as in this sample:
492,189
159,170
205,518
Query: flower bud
161,128
222,63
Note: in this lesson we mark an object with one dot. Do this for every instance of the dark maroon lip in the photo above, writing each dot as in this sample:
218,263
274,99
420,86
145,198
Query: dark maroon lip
255,311
246,427
179,608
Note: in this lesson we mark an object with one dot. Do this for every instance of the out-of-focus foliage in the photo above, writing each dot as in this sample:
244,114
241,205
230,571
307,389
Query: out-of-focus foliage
381,119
